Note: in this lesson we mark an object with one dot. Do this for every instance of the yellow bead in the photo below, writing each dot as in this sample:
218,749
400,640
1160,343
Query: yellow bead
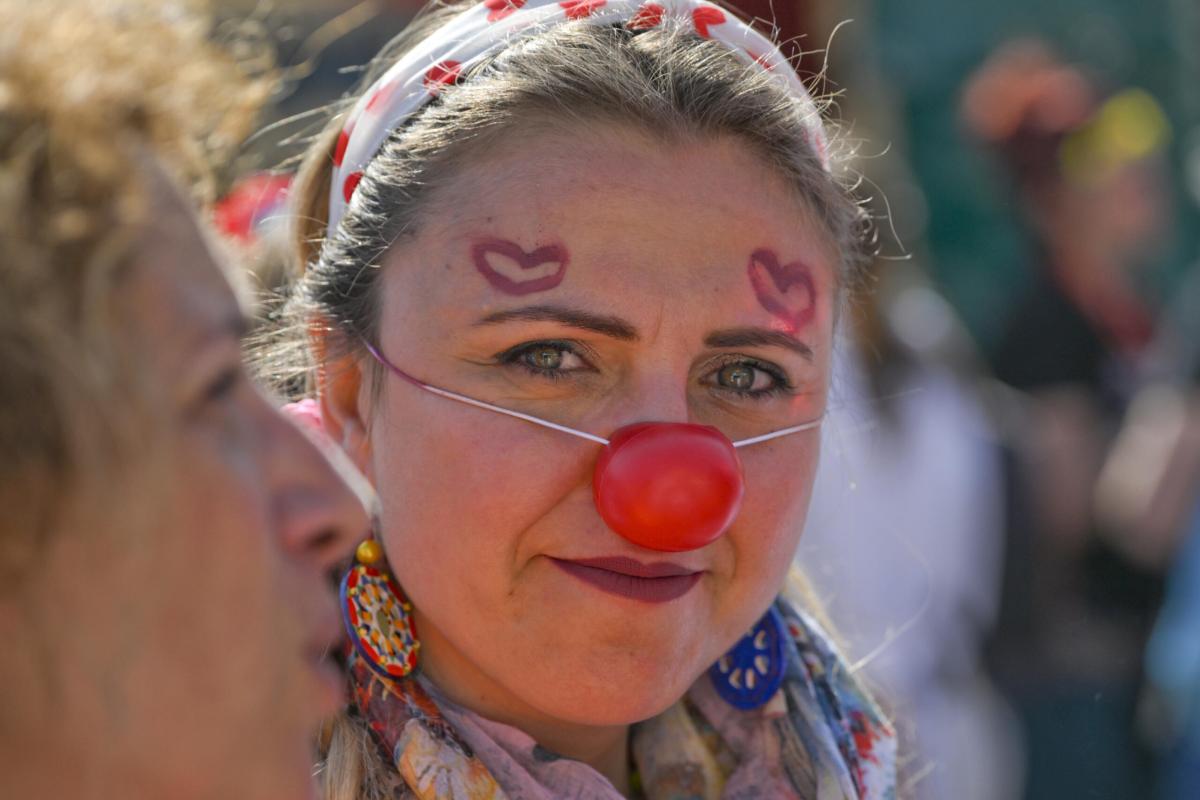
369,552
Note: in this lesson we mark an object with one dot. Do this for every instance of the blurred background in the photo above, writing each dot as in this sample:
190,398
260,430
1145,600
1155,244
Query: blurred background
1006,529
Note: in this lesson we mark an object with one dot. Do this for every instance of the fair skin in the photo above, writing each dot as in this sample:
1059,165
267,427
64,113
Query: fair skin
654,241
172,642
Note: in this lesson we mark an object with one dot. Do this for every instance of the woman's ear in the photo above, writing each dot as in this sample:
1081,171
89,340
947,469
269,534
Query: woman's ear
343,393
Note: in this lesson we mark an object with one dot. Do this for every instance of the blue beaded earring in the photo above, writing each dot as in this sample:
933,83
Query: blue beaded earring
752,671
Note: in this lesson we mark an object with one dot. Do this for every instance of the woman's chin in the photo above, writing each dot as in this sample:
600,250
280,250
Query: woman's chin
615,697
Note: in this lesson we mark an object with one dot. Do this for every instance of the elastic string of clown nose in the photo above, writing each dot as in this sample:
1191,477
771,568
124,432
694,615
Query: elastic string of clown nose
461,398
667,486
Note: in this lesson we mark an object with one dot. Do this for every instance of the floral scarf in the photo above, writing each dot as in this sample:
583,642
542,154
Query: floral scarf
819,738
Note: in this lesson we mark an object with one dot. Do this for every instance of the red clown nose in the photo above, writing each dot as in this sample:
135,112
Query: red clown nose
668,486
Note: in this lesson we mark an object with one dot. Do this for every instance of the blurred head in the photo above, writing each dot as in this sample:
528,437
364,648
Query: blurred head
599,227
1082,161
165,532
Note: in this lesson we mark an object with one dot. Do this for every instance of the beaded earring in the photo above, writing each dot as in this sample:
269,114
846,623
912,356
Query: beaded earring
752,671
378,616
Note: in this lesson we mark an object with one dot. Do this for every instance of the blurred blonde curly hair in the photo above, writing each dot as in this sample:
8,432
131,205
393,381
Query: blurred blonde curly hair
88,88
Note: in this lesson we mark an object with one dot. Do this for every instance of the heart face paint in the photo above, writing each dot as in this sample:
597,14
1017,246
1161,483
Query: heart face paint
507,267
787,291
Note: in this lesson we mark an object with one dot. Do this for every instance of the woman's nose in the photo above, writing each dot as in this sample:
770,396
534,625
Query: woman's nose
668,486
663,482
320,520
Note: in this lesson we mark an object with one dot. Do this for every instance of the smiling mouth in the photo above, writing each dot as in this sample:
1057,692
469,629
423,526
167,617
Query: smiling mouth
624,577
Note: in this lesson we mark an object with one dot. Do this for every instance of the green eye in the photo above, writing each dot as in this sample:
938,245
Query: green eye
748,378
739,377
554,360
546,358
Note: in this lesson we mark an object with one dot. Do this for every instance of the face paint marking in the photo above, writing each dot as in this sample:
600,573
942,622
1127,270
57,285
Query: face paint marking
513,271
648,16
787,291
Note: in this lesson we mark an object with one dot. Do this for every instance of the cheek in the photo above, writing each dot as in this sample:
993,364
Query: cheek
779,484
459,487
218,644
225,561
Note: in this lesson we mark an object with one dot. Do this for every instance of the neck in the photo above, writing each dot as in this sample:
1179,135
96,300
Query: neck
605,748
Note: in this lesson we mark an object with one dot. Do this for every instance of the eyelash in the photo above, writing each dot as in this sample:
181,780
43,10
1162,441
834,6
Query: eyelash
516,357
782,386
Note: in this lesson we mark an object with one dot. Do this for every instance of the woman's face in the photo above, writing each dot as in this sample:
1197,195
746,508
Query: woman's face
595,280
185,625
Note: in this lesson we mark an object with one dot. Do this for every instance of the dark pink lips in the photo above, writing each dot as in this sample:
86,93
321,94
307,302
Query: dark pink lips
625,577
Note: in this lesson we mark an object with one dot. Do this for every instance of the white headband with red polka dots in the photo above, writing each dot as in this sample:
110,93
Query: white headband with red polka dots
489,26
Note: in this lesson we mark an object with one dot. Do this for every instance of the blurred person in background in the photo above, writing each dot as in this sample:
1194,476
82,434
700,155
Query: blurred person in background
1171,709
252,219
1085,553
1173,671
165,532
905,536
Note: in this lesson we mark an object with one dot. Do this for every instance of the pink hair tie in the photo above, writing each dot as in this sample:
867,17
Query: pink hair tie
307,414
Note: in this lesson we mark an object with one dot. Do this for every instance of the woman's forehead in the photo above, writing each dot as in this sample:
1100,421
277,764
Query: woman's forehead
566,216
572,170
178,296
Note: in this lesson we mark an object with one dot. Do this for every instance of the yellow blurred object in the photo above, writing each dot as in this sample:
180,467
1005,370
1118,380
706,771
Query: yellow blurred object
1129,127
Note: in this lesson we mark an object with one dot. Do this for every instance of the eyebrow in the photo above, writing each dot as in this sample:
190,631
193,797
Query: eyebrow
617,328
757,337
604,324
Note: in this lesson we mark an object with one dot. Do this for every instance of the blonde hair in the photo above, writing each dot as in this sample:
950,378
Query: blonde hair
86,89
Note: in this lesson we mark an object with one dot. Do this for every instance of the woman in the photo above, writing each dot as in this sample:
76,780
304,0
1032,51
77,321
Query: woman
541,226
165,532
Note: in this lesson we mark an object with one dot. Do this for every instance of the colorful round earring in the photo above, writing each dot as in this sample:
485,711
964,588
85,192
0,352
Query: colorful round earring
752,671
378,616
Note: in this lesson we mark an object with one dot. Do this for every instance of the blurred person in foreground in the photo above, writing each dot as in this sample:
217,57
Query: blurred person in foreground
165,534
1085,554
